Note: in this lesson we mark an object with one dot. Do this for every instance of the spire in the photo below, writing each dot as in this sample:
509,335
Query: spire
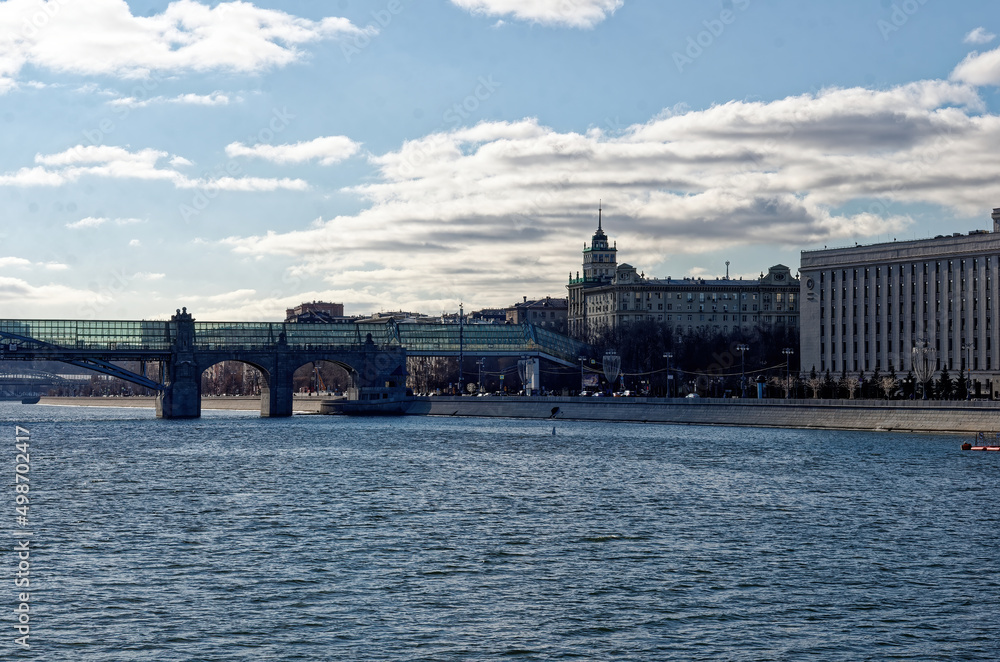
599,215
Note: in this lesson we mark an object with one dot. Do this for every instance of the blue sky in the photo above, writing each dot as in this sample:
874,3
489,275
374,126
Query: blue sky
239,158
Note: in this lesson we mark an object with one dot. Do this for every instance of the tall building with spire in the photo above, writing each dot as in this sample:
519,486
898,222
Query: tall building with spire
599,259
608,294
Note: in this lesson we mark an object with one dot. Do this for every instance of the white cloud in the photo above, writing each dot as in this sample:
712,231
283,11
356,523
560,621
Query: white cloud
145,275
135,243
120,163
568,13
92,222
328,150
7,262
84,223
32,177
979,68
979,36
102,37
213,99
19,295
837,165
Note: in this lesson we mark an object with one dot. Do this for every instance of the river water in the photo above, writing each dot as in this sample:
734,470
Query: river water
325,538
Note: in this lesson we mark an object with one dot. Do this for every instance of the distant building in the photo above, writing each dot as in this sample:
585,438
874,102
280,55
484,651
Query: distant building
868,307
396,315
317,311
608,295
488,316
547,313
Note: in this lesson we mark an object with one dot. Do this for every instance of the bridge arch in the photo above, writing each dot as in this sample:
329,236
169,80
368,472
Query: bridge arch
223,378
323,374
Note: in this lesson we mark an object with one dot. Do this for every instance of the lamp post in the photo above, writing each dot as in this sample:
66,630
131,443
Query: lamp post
582,359
968,366
922,369
788,351
461,344
742,348
668,356
480,363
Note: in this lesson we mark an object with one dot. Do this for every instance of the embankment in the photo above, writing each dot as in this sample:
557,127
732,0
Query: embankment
897,416
243,403
900,416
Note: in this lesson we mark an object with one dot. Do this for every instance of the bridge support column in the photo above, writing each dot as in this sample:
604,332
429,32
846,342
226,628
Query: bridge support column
276,396
181,395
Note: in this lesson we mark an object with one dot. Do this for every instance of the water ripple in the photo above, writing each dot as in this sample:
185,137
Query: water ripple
324,538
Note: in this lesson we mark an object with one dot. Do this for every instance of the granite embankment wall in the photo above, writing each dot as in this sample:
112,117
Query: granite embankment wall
901,416
244,403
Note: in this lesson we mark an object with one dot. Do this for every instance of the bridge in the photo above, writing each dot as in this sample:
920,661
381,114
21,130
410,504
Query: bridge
372,353
29,383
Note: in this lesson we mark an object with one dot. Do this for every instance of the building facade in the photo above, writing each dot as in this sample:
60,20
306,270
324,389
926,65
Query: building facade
893,304
547,313
609,294
317,311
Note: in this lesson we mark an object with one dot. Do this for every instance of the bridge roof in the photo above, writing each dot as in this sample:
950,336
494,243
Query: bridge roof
419,339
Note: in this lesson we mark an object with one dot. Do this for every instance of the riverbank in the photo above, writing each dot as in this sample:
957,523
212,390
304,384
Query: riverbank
302,404
896,416
879,415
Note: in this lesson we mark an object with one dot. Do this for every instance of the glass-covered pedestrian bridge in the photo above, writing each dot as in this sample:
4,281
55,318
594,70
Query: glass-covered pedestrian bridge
150,338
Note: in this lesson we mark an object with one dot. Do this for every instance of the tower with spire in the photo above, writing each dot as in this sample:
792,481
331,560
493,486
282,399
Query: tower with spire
610,294
599,259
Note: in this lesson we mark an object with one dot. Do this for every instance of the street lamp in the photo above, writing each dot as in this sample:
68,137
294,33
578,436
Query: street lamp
670,381
741,348
461,344
582,359
968,367
788,351
922,355
480,363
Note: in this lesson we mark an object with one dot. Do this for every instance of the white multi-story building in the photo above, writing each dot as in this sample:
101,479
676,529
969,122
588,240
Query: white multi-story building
609,294
869,307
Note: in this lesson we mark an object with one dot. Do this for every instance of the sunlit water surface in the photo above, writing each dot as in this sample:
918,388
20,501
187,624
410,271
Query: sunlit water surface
326,538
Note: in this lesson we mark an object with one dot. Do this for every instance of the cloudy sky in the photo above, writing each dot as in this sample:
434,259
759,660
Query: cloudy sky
238,158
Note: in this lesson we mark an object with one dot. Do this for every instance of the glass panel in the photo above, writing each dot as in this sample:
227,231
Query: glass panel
422,338
82,334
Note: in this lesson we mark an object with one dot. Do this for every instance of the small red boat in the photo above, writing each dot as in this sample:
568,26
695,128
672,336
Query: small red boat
983,443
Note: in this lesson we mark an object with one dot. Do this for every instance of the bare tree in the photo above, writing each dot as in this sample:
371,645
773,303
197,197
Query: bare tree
851,383
786,383
888,385
815,383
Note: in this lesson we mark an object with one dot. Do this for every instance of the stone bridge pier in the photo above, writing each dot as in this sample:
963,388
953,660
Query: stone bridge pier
181,395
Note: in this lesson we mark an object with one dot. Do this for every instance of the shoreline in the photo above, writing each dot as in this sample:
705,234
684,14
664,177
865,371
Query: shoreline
305,404
927,416
911,416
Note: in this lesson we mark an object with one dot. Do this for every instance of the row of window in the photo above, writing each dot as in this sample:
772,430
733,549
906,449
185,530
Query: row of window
769,319
924,268
902,364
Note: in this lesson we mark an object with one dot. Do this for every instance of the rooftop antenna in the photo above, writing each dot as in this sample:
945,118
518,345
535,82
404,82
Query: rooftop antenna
599,215
727,269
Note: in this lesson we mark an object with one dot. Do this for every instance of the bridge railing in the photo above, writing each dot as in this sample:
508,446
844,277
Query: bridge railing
88,334
559,345
262,335
474,338
158,336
